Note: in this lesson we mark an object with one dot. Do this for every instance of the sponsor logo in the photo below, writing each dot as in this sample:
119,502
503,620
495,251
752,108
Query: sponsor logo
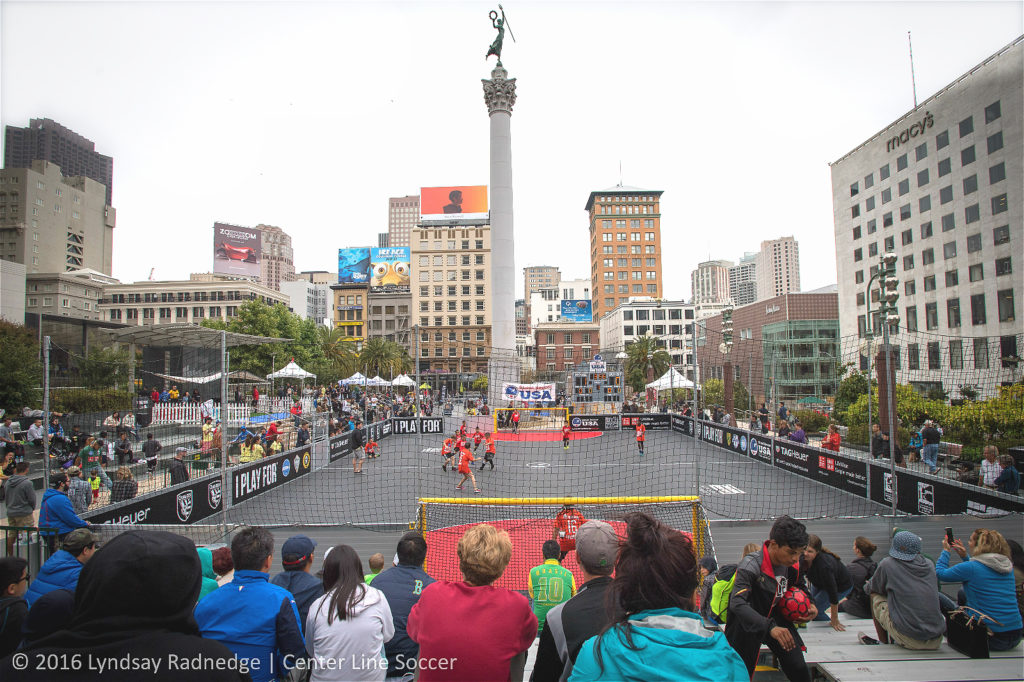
728,439
753,447
510,391
183,505
743,443
286,467
791,453
925,498
249,482
130,519
214,494
305,460
976,508
887,486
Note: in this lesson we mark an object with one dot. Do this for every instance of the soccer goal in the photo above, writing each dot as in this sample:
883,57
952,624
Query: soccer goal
531,418
531,521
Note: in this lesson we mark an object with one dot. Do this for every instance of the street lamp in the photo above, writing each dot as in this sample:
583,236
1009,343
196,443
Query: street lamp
725,348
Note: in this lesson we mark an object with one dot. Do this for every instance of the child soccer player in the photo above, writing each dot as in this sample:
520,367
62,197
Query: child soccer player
478,438
761,580
489,452
463,429
94,483
465,457
448,453
371,449
567,522
566,432
641,433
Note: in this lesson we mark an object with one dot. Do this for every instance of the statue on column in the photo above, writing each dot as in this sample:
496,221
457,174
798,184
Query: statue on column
499,24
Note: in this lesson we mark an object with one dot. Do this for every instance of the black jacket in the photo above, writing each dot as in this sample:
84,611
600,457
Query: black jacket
828,573
860,572
12,614
134,598
179,472
930,435
567,626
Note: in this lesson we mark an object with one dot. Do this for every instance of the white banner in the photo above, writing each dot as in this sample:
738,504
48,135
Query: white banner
528,392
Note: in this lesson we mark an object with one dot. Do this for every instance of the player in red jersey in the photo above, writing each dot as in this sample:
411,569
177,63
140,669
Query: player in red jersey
489,451
567,522
478,437
465,457
515,420
448,453
463,429
566,433
641,434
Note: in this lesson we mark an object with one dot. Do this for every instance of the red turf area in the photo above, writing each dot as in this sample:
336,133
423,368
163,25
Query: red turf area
527,537
538,436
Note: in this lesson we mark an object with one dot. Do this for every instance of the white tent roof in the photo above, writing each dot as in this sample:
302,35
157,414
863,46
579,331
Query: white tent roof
291,371
378,381
356,378
669,380
403,380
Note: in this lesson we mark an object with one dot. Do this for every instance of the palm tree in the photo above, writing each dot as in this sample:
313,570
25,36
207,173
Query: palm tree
381,357
339,350
642,354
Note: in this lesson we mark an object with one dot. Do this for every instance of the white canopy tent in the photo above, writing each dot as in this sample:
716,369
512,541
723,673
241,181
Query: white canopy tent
356,378
670,380
378,381
291,371
403,380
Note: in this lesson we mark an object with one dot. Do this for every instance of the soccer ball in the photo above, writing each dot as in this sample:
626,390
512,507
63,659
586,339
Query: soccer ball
795,605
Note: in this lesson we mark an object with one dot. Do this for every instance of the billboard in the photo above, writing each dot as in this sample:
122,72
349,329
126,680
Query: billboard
236,250
466,202
390,268
354,265
577,310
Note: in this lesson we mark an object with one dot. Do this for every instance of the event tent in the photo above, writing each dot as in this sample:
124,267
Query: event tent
356,378
670,380
378,381
291,371
403,380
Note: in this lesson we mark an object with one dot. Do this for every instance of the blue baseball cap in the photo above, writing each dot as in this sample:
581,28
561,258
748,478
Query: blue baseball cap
298,546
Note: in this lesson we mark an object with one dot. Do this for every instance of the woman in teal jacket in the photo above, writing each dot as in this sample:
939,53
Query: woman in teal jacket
987,574
209,577
658,637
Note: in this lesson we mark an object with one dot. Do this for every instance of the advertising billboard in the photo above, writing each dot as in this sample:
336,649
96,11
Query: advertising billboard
466,202
390,268
577,310
354,265
236,250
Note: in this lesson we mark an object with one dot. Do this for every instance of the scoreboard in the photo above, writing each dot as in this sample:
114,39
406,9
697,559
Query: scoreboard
593,382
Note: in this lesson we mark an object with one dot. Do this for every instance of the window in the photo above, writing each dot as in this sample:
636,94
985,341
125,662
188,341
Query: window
945,167
873,249
1004,266
976,272
903,187
998,204
1008,351
927,256
948,222
905,212
967,126
890,243
997,173
929,283
856,232
926,230
953,313
973,242
981,353
921,151
908,237
1004,301
949,250
978,309
883,172
931,316
942,139
922,177
901,162
909,288
887,220
872,226
911,315
858,255
858,277
952,278
913,356
869,204
1001,235
995,142
946,194
886,195
853,190
648,236
860,298
992,112
956,354
972,213
933,355
967,155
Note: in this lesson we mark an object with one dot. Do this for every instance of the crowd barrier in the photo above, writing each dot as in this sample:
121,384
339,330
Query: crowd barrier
163,413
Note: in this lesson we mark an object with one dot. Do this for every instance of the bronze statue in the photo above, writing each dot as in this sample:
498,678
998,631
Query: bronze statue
499,24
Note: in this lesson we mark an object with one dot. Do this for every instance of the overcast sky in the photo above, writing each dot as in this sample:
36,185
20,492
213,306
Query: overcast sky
309,115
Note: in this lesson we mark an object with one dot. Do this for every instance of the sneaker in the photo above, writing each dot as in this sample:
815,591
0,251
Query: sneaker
477,490
444,467
864,639
458,487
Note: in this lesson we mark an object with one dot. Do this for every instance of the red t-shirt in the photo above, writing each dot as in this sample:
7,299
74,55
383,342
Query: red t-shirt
494,624
568,521
565,432
515,416
464,461
640,431
477,437
446,449
490,446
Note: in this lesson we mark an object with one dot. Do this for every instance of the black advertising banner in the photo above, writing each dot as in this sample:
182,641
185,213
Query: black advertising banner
759,448
259,477
922,494
791,457
846,473
709,432
340,446
184,504
586,422
408,425
683,425
652,422
432,424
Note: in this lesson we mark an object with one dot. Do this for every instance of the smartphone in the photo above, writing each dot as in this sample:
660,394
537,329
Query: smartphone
949,535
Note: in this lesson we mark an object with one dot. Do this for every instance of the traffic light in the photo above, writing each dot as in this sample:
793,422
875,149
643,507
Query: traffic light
727,327
889,285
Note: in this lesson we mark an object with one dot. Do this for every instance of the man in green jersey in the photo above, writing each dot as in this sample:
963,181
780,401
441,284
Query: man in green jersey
550,583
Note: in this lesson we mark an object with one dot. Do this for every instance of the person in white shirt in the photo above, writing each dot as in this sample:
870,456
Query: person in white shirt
35,432
990,468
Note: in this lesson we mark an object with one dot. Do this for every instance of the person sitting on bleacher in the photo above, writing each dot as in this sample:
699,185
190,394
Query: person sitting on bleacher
858,602
35,432
904,601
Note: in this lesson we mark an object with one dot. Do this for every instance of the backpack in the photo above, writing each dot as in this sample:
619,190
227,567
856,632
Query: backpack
721,590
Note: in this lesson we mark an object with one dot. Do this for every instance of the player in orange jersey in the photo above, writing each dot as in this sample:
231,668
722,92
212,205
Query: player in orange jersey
641,434
567,522
465,458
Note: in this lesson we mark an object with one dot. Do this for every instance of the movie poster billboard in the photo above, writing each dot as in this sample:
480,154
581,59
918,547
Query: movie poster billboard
574,310
465,202
236,250
390,268
354,265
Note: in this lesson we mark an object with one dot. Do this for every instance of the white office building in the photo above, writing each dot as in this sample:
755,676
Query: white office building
671,322
308,300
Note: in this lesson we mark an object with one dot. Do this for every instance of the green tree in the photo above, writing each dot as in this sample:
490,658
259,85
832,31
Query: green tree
260,319
712,392
380,357
853,386
480,383
104,368
20,369
641,355
338,354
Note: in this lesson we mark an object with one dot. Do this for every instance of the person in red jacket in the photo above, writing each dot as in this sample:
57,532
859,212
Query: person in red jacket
566,434
641,435
515,421
832,439
465,459
495,626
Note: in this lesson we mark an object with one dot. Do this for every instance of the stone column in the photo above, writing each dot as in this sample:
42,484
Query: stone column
500,96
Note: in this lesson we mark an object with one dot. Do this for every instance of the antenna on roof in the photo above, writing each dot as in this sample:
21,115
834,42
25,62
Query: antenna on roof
620,172
913,81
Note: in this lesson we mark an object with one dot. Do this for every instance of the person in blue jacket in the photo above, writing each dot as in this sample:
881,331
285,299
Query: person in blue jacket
257,620
986,572
658,636
56,511
60,572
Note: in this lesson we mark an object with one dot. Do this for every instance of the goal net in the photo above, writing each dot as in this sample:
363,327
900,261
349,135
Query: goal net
531,418
531,521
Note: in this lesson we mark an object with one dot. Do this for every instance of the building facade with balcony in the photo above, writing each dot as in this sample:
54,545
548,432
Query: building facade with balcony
182,301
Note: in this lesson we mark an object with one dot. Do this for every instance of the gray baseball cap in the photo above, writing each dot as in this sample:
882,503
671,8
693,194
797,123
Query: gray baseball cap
597,546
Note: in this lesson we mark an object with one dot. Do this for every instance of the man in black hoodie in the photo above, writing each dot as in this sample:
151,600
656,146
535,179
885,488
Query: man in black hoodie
14,579
754,614
134,602
297,559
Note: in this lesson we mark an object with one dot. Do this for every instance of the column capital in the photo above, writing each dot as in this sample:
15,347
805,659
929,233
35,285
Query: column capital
499,91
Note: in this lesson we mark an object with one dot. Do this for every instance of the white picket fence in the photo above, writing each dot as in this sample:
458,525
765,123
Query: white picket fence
193,413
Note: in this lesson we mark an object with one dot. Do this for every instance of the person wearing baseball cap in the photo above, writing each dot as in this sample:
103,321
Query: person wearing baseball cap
904,599
61,571
179,472
297,577
571,623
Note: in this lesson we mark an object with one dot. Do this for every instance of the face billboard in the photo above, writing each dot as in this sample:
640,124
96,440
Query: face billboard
354,265
236,250
577,311
467,202
390,268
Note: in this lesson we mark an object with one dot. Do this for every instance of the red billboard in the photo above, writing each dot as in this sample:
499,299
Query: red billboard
464,202
236,250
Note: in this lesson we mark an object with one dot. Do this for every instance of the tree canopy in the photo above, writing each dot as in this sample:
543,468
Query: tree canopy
641,354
